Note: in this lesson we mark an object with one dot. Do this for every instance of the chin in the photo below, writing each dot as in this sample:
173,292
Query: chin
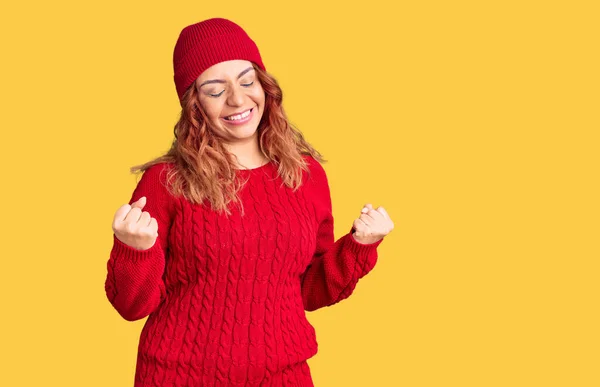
244,132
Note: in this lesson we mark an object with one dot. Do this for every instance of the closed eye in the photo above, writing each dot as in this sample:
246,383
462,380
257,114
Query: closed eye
243,84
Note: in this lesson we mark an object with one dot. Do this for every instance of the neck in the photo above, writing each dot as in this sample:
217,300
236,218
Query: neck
248,155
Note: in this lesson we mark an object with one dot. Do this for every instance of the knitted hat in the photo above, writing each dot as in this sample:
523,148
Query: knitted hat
206,43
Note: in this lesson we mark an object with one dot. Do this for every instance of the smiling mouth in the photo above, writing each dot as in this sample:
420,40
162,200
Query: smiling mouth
240,116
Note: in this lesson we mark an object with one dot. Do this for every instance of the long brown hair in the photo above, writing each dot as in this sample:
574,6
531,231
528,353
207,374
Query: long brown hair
205,170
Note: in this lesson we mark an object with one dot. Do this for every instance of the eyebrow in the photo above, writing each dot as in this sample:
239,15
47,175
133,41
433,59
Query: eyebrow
222,81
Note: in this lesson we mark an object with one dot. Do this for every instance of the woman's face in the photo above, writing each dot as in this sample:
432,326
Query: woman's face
233,98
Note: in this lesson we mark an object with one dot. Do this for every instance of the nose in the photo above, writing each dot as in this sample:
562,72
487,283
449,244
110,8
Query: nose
236,96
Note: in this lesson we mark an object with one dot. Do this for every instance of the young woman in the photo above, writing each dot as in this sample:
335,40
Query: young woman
228,238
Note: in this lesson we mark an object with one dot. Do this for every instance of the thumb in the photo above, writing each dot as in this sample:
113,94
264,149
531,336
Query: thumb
140,203
367,208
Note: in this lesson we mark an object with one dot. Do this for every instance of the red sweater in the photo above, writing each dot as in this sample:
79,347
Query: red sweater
226,298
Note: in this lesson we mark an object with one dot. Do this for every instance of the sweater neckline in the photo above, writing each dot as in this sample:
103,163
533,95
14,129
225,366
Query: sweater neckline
259,168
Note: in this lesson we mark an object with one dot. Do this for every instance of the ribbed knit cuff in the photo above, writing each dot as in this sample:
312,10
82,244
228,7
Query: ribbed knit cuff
358,247
124,250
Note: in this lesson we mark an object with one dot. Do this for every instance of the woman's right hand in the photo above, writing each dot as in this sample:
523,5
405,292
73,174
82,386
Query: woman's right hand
135,227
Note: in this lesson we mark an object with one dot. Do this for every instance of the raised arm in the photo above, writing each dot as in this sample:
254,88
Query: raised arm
134,283
336,266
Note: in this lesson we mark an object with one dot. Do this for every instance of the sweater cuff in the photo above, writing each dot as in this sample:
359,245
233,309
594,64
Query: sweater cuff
358,247
122,249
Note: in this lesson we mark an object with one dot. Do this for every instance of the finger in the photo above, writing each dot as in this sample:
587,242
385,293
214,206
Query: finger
383,212
149,230
133,215
360,225
140,203
366,208
375,214
144,219
153,225
121,213
366,219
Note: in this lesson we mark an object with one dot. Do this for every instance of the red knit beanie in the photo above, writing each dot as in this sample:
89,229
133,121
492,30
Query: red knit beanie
206,43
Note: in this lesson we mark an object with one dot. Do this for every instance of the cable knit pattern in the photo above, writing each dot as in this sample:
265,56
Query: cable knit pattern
226,298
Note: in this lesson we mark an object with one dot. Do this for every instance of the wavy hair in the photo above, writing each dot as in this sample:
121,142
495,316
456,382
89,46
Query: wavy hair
203,168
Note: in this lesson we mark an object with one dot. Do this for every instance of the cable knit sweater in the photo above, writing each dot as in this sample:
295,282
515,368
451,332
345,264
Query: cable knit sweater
226,297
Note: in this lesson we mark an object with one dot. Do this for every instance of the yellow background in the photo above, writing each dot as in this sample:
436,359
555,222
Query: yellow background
474,123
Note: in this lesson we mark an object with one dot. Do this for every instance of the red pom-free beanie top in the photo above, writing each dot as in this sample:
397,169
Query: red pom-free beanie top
206,43
226,297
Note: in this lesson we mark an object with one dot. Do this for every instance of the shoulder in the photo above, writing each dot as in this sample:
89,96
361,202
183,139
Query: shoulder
316,178
158,174
315,169
154,181
158,171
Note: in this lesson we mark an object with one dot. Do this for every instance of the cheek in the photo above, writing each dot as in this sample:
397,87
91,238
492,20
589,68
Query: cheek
258,96
212,109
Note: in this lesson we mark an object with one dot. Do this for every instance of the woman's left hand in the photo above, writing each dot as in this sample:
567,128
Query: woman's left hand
372,225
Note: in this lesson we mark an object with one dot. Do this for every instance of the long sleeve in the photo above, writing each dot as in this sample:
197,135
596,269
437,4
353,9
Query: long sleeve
134,283
336,266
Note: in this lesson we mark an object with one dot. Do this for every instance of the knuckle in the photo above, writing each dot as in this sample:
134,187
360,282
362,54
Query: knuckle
130,228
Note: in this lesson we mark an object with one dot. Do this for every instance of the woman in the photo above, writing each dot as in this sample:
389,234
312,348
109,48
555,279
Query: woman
228,238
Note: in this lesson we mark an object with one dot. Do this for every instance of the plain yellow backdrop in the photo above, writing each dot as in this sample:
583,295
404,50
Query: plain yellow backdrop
475,124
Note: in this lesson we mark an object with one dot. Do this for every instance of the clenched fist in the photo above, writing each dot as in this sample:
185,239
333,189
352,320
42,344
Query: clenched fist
372,225
134,227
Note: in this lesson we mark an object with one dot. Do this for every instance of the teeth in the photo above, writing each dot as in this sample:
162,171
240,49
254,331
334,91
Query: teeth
239,116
